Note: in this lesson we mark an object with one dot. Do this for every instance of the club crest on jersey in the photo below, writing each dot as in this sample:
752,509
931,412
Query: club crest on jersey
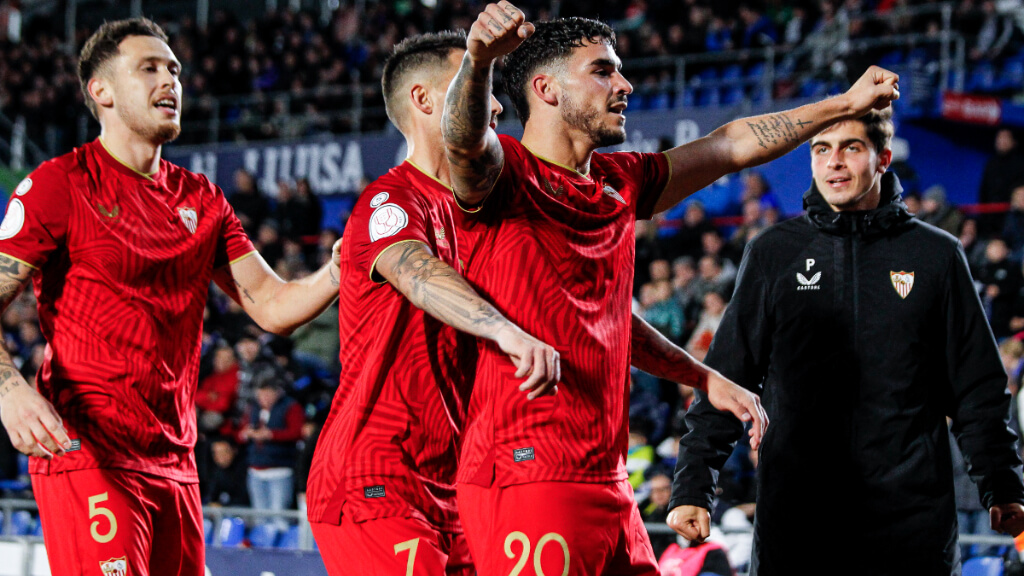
24,187
609,191
903,282
115,567
189,218
13,221
387,220
378,199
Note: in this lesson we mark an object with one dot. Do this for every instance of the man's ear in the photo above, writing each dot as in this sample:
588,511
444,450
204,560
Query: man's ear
546,88
101,91
884,160
420,98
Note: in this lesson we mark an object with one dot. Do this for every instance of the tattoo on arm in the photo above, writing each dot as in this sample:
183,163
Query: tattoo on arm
335,281
475,165
242,291
436,288
14,275
777,129
657,355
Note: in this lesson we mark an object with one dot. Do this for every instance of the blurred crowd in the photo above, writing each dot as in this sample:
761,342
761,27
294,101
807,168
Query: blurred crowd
301,76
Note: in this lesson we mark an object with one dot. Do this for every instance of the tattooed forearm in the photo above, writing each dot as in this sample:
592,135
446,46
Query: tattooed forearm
776,130
14,275
436,288
658,356
335,280
474,156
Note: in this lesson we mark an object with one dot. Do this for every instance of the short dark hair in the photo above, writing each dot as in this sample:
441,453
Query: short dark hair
104,44
414,54
552,41
879,127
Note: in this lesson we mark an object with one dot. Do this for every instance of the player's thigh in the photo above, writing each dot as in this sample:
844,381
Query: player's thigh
540,529
95,522
178,532
385,547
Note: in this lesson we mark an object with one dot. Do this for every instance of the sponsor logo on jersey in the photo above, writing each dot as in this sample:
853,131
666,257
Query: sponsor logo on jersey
808,283
609,191
551,190
903,282
374,491
108,214
24,187
76,445
378,199
189,218
387,220
115,567
13,221
523,454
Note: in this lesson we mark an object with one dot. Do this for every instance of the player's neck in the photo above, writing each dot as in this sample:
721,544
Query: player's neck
558,146
429,157
130,149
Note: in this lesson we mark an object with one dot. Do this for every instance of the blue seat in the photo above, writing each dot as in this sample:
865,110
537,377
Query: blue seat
21,523
983,566
891,59
685,99
982,78
732,95
756,71
208,530
708,97
232,531
263,536
1012,75
812,87
289,539
37,530
732,72
660,101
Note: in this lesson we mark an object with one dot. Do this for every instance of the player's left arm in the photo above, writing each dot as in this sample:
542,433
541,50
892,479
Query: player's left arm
749,142
277,306
655,354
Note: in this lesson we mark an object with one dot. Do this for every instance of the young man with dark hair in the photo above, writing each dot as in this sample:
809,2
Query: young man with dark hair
381,492
542,485
862,329
121,248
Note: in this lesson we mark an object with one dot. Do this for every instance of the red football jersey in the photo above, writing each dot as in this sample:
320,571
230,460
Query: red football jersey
123,264
554,251
388,447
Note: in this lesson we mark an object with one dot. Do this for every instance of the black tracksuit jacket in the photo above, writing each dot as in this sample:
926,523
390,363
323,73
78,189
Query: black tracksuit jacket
857,377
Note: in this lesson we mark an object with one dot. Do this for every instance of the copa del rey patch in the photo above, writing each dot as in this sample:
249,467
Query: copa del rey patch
115,567
903,282
189,218
387,220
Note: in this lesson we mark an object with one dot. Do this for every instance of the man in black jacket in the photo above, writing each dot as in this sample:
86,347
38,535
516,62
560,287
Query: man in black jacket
862,330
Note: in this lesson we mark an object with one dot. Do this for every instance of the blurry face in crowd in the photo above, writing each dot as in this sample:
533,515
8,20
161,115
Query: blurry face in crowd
847,170
144,88
223,360
996,251
267,397
660,270
594,94
1017,198
713,303
1005,141
223,453
661,490
709,269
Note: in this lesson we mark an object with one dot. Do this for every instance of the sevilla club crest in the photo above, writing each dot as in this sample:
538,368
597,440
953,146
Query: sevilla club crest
115,567
189,218
903,282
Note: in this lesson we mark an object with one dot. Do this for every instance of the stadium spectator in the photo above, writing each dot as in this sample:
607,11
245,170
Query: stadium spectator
758,29
749,228
299,210
1000,278
1004,170
654,508
1013,227
660,309
648,249
271,430
974,247
710,318
687,240
217,392
938,212
250,205
639,452
226,481
694,558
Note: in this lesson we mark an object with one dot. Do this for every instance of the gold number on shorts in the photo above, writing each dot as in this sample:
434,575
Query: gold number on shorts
411,546
525,540
93,511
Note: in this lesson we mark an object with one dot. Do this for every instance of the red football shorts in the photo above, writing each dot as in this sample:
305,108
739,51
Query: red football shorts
392,546
118,522
556,529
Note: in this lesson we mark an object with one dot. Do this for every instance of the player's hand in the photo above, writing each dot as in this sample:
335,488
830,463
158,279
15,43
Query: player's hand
876,89
336,253
728,396
1007,518
31,421
691,522
539,363
499,29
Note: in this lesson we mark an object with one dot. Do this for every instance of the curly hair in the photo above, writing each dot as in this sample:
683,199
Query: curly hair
552,42
412,55
104,44
879,127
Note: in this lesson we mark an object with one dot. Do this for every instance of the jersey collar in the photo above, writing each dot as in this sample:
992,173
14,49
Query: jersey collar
121,165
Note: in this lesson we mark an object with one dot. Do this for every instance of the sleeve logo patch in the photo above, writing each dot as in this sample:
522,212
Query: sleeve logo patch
24,187
373,491
387,220
379,199
522,454
13,221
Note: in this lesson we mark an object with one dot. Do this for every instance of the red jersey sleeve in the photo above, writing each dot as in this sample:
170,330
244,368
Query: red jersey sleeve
233,243
37,216
651,172
381,218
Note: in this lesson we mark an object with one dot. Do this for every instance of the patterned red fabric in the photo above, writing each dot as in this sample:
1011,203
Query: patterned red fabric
554,250
388,448
124,263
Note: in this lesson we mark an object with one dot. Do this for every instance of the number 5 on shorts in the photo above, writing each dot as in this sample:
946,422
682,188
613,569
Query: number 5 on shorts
524,540
95,510
411,546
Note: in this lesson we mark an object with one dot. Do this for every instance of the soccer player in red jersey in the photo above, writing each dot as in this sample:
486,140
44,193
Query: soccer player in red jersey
121,247
381,495
542,485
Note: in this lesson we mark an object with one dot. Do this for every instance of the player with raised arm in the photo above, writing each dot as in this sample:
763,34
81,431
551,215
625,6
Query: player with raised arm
381,490
542,485
121,247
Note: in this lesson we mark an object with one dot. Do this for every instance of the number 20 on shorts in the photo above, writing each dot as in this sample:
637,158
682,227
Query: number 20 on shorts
95,510
524,540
